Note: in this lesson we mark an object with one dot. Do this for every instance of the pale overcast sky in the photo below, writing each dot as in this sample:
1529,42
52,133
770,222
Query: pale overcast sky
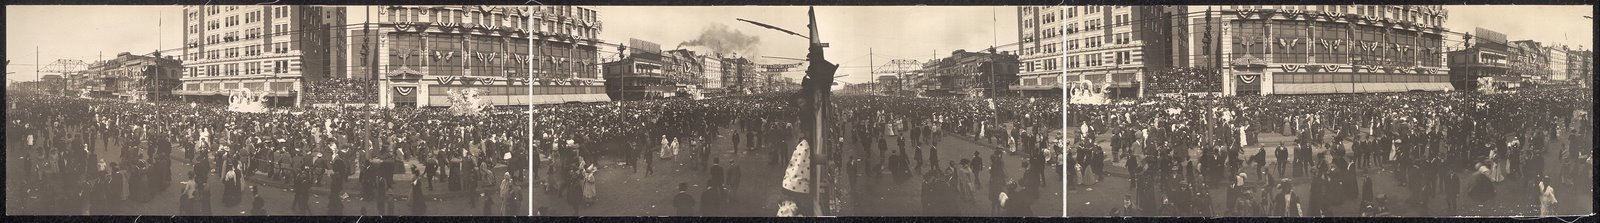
1560,24
897,32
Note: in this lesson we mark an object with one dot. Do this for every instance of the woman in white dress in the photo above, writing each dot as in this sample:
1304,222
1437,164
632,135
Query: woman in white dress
1011,144
1547,199
588,183
674,147
665,147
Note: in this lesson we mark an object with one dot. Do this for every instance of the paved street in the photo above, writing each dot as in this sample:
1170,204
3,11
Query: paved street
1513,199
623,192
278,199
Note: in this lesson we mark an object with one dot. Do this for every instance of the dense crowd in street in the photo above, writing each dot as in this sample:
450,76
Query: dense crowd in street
1176,150
1184,80
644,135
341,91
65,140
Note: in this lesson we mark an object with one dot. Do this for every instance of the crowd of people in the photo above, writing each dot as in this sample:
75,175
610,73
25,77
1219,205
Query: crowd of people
1024,128
643,135
1184,80
341,91
65,139
1176,150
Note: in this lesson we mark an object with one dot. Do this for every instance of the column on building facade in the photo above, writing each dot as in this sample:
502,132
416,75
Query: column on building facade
382,58
422,94
1267,75
572,46
1226,54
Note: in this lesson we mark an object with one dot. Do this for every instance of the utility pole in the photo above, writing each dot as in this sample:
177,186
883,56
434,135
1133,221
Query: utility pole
994,39
872,73
820,87
149,88
37,80
532,154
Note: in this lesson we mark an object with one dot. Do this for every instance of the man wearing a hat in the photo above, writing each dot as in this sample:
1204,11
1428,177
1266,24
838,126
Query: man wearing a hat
683,202
258,205
1286,203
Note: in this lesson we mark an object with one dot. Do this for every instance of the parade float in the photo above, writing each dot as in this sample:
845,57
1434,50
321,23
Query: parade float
1085,92
467,102
245,100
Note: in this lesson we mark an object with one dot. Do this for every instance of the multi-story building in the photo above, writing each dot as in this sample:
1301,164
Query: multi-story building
1557,62
1532,61
135,77
420,54
641,75
1580,65
267,49
889,84
973,73
1313,49
1039,48
1486,55
1106,46
711,71
741,75
919,80
682,67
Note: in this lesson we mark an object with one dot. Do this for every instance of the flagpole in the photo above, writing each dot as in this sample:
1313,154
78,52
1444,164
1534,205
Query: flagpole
532,155
819,109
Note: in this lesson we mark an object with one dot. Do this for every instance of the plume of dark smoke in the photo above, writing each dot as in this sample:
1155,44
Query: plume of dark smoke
725,41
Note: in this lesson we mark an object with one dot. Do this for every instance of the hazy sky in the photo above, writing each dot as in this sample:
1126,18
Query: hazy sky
85,33
899,32
1561,24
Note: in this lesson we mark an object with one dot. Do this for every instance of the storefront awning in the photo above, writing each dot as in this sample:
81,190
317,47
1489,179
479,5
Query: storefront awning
1035,87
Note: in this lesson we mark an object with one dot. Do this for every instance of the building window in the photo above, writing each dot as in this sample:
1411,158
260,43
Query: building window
1249,37
1289,45
1327,47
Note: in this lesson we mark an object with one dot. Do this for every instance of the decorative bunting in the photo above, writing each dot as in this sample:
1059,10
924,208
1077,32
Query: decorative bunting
401,27
1288,43
1331,67
405,91
421,26
1370,46
445,79
1332,45
444,55
448,26
1291,68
